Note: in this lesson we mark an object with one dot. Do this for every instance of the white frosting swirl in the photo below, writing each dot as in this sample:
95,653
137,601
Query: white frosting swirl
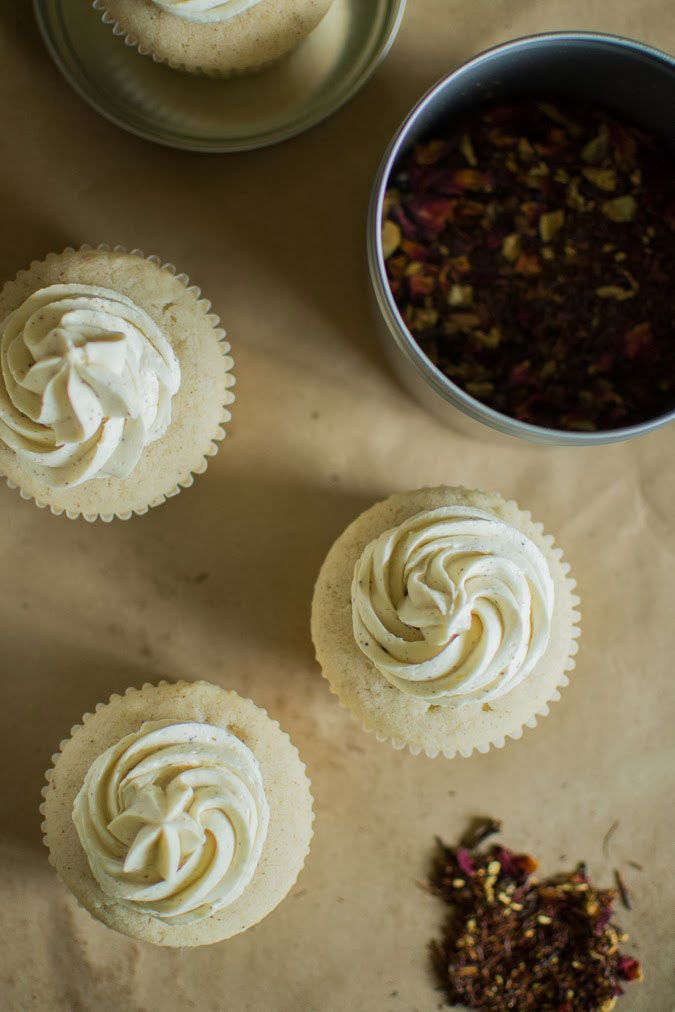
206,10
453,606
87,381
173,820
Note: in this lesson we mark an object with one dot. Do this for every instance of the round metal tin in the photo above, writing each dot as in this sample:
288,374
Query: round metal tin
211,115
622,74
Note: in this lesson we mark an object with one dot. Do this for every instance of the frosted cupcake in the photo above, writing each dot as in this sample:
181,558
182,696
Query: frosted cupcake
179,814
214,37
114,382
445,620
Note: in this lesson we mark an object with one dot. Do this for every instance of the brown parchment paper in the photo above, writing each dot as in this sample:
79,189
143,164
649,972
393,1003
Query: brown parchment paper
217,583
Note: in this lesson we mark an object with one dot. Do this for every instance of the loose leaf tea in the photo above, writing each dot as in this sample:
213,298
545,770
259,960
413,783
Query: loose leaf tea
513,942
530,255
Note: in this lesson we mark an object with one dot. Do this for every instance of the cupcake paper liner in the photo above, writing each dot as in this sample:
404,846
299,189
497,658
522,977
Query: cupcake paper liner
130,40
49,773
228,397
515,729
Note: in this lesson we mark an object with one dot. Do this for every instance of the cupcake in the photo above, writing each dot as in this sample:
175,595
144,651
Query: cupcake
444,620
179,814
114,382
214,37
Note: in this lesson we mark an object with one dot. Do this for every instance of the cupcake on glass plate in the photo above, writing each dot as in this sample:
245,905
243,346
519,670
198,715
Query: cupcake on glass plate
445,620
114,382
218,38
179,814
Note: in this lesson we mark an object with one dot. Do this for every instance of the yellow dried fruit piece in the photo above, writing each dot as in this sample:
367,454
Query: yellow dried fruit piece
490,339
597,149
604,179
550,224
620,209
391,238
460,295
614,292
511,247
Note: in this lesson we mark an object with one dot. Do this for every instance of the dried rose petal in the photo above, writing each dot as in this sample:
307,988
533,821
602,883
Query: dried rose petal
637,339
468,179
465,862
429,154
528,263
630,969
434,214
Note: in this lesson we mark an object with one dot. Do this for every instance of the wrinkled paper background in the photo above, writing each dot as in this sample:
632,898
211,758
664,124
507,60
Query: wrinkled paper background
217,583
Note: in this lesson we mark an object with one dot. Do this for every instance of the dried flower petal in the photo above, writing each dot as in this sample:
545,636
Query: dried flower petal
614,292
391,238
469,179
511,247
429,154
604,179
528,263
637,339
596,150
460,295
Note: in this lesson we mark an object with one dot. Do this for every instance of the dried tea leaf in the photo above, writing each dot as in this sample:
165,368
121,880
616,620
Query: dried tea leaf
510,942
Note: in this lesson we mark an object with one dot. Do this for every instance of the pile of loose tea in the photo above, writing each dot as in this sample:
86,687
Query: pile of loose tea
513,942
531,256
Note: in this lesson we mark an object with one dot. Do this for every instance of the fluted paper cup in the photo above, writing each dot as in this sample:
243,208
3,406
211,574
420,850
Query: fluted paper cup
200,408
405,720
246,44
286,785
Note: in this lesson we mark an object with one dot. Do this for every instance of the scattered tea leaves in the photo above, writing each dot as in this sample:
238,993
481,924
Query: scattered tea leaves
512,942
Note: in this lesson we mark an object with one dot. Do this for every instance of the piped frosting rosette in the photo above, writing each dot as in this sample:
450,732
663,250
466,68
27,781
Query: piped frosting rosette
173,820
87,383
453,606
